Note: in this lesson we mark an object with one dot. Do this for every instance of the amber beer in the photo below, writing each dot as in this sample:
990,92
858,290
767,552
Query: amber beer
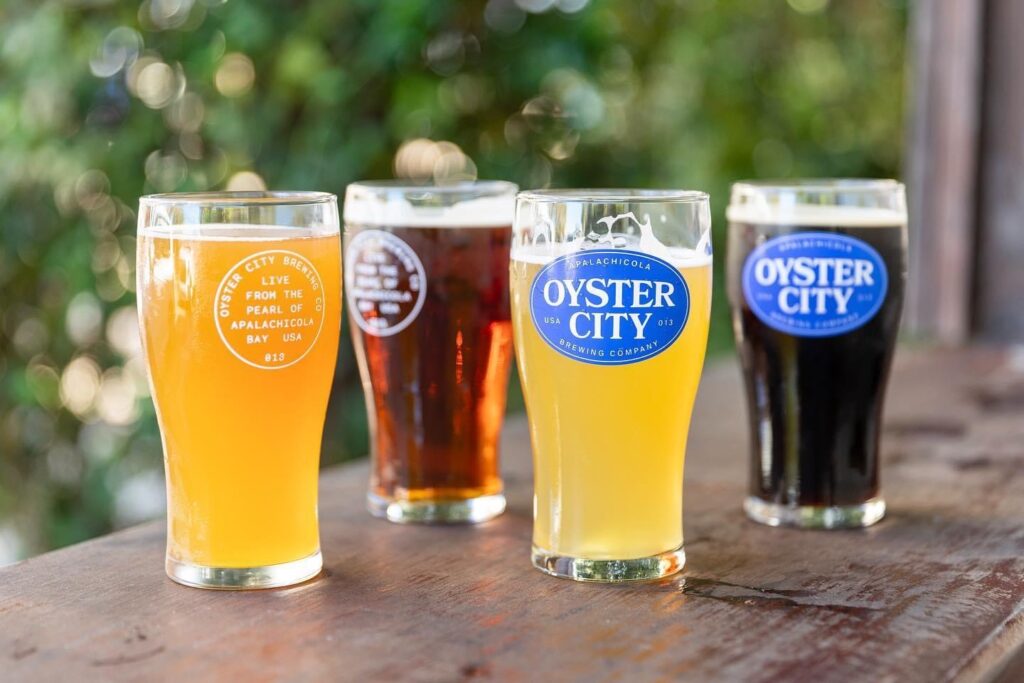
429,313
240,329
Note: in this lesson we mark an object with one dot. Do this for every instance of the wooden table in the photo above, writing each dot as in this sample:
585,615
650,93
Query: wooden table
935,592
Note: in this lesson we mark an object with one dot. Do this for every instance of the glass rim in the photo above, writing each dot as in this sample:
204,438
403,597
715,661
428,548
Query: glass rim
820,185
454,187
614,196
240,198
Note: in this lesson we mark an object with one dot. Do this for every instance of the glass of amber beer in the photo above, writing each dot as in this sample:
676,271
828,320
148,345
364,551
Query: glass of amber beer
427,286
240,308
611,298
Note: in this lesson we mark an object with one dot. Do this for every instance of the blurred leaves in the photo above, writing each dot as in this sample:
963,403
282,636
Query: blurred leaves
104,100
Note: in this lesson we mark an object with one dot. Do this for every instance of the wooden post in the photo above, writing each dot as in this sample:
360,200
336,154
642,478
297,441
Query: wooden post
999,299
946,37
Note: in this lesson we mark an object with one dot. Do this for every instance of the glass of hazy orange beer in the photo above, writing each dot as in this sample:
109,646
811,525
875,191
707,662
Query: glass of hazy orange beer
240,308
611,300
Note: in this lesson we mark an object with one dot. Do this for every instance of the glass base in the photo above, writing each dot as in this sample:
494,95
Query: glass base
815,516
466,511
245,578
610,571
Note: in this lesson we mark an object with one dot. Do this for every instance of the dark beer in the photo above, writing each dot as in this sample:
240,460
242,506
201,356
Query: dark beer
815,372
429,307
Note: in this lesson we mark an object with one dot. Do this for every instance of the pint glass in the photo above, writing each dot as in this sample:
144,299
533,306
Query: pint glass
816,273
427,287
611,298
240,307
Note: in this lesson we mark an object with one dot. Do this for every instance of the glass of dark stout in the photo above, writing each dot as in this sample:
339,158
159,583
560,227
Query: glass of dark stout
426,285
816,275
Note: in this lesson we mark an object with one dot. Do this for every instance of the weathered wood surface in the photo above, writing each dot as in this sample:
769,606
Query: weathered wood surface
935,592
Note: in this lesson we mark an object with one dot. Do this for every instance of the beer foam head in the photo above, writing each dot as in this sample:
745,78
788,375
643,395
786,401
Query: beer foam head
815,215
543,253
230,232
486,204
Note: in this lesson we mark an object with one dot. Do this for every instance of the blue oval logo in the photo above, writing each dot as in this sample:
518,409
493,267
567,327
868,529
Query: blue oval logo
609,306
814,284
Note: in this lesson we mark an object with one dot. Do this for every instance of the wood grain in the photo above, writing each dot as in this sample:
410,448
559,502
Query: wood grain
930,594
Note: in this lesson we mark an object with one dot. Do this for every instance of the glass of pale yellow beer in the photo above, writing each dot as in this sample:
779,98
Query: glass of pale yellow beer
239,300
611,298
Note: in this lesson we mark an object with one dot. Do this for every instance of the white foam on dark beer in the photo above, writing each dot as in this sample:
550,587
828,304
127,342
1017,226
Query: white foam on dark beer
224,232
542,254
485,212
816,215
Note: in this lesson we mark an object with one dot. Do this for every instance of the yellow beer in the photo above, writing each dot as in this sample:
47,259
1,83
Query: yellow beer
609,442
611,300
240,328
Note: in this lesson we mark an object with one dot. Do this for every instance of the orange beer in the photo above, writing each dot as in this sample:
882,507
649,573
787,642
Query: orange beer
240,327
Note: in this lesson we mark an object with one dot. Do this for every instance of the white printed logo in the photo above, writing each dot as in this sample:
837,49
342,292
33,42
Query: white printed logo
384,281
269,309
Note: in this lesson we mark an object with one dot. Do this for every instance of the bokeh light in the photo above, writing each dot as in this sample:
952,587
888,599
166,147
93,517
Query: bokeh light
31,337
235,75
167,14
123,332
165,172
186,113
79,384
155,83
118,50
84,319
423,159
246,181
116,399
504,16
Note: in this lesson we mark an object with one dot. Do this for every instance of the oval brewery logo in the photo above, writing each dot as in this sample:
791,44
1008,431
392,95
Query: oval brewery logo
609,306
814,284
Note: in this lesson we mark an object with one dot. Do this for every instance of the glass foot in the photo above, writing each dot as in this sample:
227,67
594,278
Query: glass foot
467,511
244,578
609,571
815,516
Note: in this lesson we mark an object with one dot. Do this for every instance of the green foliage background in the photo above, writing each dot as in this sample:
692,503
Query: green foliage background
104,100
